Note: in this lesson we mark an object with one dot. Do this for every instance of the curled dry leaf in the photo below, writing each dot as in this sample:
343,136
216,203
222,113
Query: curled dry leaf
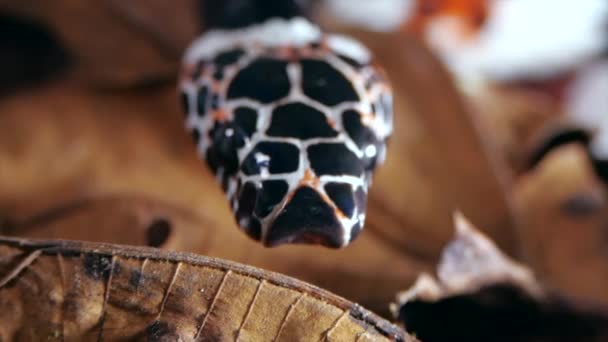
482,295
59,290
107,168
563,209
550,137
470,262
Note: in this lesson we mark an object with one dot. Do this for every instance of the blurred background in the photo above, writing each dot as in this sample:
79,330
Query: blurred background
501,111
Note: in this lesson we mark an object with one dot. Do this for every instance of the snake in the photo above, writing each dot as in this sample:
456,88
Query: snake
292,121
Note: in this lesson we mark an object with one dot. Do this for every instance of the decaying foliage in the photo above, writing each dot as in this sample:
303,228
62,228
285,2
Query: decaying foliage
563,208
480,294
52,290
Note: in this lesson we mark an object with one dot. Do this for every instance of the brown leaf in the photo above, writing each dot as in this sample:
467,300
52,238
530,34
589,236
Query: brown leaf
563,209
106,167
118,43
63,145
482,295
63,290
30,54
366,273
436,161
511,119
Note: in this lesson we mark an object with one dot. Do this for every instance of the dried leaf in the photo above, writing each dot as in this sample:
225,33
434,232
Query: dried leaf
436,156
482,295
71,158
30,54
563,209
366,273
510,120
436,161
59,290
118,43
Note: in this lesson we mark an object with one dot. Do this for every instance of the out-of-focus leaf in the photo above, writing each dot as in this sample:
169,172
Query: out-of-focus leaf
117,43
510,119
437,161
59,290
111,167
30,54
563,210
481,295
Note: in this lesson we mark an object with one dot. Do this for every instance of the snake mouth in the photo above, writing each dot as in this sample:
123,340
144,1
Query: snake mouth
306,218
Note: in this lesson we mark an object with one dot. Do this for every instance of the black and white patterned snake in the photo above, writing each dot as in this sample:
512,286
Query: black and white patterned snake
292,120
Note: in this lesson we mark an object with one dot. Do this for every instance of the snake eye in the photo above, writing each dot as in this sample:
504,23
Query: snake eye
226,139
262,160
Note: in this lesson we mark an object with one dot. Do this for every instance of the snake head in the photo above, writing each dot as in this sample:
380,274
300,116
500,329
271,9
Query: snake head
293,123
